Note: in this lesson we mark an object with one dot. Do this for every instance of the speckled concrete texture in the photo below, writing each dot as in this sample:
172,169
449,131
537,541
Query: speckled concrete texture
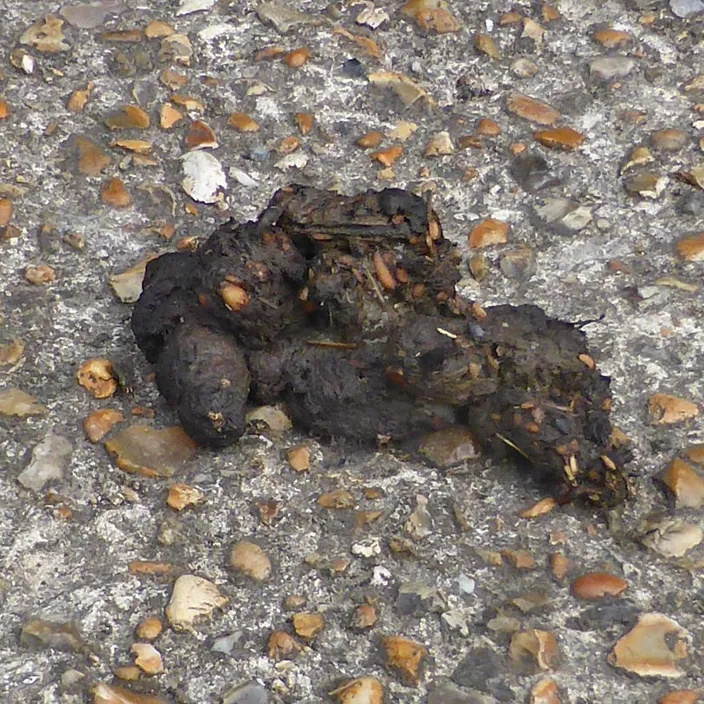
607,252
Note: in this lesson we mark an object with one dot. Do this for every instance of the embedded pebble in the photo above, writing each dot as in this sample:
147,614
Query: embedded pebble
308,624
183,496
89,15
405,656
669,140
653,648
150,628
608,67
672,537
597,585
147,658
686,8
532,109
518,263
489,232
127,285
204,178
151,452
113,694
15,402
249,559
534,650
247,693
98,424
193,599
449,447
545,692
664,409
647,184
38,634
685,483
50,458
363,690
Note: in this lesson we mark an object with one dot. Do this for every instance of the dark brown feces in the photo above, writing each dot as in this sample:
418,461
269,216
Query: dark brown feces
345,309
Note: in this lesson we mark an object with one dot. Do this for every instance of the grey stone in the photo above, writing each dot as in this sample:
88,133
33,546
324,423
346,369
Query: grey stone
533,173
608,67
49,460
247,693
416,598
89,15
449,693
686,8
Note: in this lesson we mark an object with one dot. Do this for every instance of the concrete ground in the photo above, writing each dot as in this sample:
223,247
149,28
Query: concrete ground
452,582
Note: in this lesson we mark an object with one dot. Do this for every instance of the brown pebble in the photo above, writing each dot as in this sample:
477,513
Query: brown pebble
364,616
405,656
685,483
182,496
540,508
242,122
98,424
488,128
489,232
560,565
664,409
669,140
520,559
439,144
305,122
550,13
78,99
149,628
148,658
128,117
339,499
597,585
297,57
169,116
680,696
370,140
509,18
11,353
91,158
545,692
283,646
308,624
532,109
6,209
115,194
534,650
97,376
299,458
249,559
200,136
128,673
288,145
158,30
40,274
471,141
612,38
4,109
560,138
388,157
486,45
695,453
691,248
363,690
